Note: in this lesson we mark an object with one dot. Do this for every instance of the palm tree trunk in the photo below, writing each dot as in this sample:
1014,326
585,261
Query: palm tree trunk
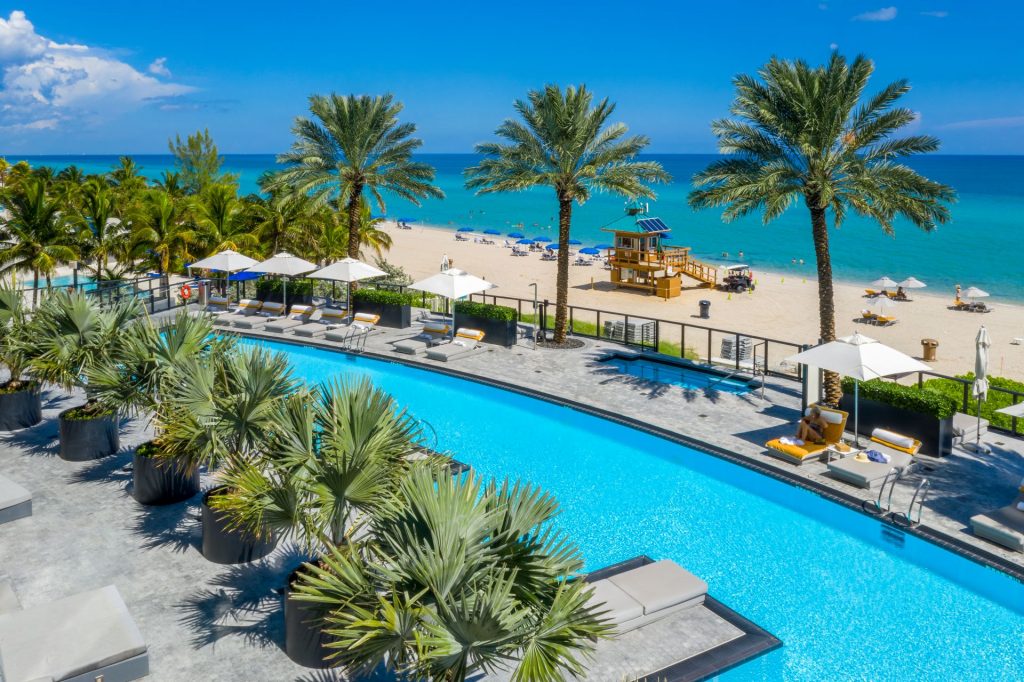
353,235
826,296
562,279
35,287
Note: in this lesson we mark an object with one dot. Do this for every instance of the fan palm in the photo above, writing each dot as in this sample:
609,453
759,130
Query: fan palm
455,578
101,231
352,144
220,217
13,323
36,237
799,132
563,143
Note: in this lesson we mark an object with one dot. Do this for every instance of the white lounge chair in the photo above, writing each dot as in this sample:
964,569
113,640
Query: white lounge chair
15,501
433,333
87,636
300,315
247,307
315,328
643,595
217,305
465,341
270,311
361,323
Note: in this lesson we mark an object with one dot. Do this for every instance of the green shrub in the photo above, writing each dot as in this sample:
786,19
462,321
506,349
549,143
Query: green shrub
911,398
995,400
272,287
487,311
386,297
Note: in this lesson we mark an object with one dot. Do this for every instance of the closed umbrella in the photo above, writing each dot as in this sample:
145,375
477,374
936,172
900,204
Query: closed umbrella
979,389
860,358
284,264
453,284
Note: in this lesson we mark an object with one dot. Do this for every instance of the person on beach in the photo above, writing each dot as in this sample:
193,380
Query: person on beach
957,299
811,428
446,263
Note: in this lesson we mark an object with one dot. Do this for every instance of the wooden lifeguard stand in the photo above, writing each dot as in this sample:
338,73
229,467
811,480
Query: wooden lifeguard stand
641,259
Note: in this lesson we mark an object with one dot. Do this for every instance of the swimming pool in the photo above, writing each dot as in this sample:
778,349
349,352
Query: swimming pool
688,378
849,597
84,282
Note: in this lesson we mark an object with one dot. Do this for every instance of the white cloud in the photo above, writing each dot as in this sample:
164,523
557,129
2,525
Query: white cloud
884,14
1003,122
159,67
43,82
833,46
937,14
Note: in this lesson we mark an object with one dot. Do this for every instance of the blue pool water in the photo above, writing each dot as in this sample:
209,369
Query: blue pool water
847,600
26,282
666,373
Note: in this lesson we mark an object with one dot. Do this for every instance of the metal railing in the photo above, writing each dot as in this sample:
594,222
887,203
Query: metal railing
966,399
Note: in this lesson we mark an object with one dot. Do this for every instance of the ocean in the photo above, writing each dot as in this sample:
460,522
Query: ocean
980,247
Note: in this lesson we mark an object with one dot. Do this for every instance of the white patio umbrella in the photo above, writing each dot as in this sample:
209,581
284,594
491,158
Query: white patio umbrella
224,261
347,270
912,283
975,292
881,305
979,389
884,282
452,284
860,358
284,264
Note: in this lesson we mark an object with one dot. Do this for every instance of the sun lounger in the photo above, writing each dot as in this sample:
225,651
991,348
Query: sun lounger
872,293
433,333
217,305
968,428
646,594
862,472
465,341
15,501
867,316
329,318
884,320
1003,526
361,322
798,454
299,316
270,311
247,307
88,636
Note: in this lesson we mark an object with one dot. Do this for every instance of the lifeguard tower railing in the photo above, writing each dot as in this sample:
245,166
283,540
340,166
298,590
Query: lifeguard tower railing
640,258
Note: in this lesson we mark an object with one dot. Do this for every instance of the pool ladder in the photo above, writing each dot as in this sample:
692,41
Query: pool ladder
900,518
355,340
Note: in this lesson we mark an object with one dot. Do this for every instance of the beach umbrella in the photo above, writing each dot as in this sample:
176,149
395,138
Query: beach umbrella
590,251
975,292
884,282
542,239
516,235
604,246
912,283
492,232
453,284
880,305
224,261
979,389
406,220
466,229
347,270
286,265
575,242
860,358
552,247
525,241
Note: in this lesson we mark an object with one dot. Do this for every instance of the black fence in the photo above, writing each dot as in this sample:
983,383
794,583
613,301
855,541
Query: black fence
996,396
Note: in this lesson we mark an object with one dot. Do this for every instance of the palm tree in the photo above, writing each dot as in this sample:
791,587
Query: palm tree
172,183
799,132
101,232
280,219
13,324
220,217
161,232
453,578
127,177
36,237
563,143
331,239
355,144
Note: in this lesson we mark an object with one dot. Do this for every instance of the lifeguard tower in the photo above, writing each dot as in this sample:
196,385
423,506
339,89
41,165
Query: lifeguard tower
642,260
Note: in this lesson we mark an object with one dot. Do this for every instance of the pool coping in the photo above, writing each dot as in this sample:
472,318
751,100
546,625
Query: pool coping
936,537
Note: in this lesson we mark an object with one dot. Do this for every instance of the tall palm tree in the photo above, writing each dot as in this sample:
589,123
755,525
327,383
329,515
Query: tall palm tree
160,232
802,132
352,144
172,183
563,143
37,235
220,218
101,230
453,578
127,176
281,219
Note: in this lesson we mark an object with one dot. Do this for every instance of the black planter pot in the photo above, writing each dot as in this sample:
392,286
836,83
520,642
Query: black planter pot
498,332
20,409
223,545
394,316
936,435
85,439
160,481
305,641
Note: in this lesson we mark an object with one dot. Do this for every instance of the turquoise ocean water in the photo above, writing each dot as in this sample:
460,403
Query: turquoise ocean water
980,247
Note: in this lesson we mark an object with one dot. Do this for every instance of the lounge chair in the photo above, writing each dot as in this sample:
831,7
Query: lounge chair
862,472
433,333
884,320
247,307
329,317
270,311
15,501
1004,526
798,454
867,316
87,636
217,305
361,322
465,341
299,316
643,595
871,293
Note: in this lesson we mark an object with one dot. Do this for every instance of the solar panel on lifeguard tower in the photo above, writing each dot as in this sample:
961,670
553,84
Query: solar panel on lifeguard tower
652,225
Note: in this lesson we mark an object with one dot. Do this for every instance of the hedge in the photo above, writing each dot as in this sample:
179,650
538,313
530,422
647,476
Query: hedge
487,311
994,401
911,398
386,297
296,288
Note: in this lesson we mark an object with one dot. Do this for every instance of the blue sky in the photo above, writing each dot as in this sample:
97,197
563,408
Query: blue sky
122,79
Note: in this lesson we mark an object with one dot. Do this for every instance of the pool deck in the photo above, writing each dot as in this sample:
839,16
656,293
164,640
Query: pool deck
212,622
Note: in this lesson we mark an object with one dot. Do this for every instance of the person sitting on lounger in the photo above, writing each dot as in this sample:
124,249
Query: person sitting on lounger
811,428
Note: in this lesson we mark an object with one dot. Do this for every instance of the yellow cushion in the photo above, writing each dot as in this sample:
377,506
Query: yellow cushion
798,452
436,328
367,318
333,314
910,451
474,334
302,309
250,303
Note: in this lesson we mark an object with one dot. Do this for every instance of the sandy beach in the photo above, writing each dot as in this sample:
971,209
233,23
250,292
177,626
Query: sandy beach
783,307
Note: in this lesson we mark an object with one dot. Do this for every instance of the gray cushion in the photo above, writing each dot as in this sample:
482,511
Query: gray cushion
68,637
1005,526
866,474
12,494
661,585
620,606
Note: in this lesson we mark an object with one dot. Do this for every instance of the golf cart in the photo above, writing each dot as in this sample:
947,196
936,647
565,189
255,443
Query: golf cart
738,278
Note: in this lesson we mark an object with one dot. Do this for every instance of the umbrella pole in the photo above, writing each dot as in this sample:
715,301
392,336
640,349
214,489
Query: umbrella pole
856,413
284,293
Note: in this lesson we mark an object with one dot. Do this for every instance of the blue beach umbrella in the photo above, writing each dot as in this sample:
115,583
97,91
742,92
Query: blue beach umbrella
492,232
591,251
604,246
516,235
465,229
525,241
542,239
575,242
552,247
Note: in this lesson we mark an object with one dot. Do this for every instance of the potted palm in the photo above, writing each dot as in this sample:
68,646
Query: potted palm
68,335
220,414
20,406
337,455
134,383
454,578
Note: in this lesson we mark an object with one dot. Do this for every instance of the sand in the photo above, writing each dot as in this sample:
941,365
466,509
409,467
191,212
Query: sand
783,307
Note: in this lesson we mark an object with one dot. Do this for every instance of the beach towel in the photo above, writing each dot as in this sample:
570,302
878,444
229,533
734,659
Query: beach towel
876,456
786,440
